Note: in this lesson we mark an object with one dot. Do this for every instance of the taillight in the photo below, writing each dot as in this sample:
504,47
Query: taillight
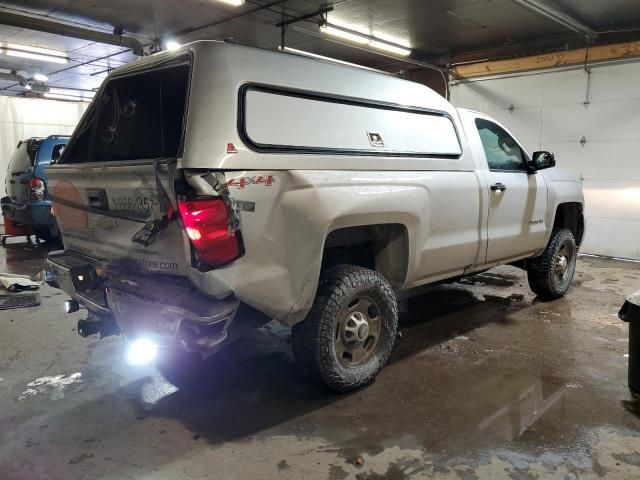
36,185
208,227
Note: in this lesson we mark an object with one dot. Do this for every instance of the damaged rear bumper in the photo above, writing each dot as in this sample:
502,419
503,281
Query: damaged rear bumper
166,309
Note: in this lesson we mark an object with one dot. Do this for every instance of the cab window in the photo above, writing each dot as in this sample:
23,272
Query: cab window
500,148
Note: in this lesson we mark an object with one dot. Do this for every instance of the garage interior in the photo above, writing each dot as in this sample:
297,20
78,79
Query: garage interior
485,380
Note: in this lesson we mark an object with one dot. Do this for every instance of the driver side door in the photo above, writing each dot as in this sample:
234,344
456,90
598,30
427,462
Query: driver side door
516,223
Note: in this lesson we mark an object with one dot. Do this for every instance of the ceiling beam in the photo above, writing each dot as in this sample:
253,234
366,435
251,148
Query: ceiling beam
600,53
57,28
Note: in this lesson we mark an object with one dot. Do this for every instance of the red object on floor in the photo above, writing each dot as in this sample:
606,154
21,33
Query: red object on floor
15,229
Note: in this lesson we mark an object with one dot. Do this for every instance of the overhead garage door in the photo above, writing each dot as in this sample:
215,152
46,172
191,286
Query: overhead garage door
593,127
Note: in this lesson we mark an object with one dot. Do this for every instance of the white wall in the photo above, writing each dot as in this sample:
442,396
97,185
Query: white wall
549,113
22,118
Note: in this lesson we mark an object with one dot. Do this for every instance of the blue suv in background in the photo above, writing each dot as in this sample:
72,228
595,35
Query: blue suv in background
27,201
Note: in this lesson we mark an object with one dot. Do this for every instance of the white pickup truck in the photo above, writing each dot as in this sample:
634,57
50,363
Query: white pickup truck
219,186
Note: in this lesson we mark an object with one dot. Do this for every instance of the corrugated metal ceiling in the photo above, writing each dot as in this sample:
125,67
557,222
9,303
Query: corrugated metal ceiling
438,30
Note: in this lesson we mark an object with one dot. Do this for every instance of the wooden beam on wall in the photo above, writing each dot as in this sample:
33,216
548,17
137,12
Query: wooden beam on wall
600,53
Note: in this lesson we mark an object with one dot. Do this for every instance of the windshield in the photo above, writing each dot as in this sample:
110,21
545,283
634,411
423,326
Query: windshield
134,118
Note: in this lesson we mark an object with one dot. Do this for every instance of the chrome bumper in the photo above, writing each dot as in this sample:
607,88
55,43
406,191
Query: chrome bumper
167,309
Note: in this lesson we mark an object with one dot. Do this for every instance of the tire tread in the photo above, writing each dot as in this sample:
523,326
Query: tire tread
312,339
540,269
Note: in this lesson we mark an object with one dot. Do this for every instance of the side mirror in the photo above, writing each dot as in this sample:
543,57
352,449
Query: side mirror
541,160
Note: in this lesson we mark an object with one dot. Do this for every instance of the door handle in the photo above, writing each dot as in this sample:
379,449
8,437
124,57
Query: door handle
498,187
97,198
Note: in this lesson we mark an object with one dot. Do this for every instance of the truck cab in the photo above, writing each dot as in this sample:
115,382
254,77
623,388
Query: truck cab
524,191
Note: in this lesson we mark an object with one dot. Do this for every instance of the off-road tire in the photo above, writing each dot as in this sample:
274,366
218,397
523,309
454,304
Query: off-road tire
314,339
543,280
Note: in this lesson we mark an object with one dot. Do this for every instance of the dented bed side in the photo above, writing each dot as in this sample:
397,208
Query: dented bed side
295,211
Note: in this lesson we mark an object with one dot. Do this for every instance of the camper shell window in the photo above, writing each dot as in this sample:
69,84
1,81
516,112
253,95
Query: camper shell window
135,117
276,119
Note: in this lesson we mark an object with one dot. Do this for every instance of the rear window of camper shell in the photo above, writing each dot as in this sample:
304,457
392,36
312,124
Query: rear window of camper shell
136,117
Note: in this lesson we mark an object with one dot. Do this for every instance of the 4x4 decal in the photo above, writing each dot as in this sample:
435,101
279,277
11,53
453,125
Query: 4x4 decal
242,182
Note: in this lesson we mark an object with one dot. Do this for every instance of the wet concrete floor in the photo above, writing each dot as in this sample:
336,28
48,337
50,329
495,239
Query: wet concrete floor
485,382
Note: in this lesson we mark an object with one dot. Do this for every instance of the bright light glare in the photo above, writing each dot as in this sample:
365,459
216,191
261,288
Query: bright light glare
235,3
28,87
364,39
141,351
40,77
172,45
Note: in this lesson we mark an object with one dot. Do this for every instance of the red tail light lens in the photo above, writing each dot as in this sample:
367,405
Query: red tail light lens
207,224
37,188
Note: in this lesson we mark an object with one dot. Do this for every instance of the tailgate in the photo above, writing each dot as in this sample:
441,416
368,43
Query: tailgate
120,199
105,186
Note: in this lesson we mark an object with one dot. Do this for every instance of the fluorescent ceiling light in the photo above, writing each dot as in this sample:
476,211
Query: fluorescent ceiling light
172,45
71,91
235,3
36,56
69,94
338,32
385,37
56,96
35,53
390,48
364,39
40,77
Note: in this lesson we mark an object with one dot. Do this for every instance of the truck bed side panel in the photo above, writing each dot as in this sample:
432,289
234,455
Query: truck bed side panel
296,210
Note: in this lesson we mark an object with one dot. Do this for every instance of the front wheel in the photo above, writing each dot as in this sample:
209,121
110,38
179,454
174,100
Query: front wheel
550,274
349,333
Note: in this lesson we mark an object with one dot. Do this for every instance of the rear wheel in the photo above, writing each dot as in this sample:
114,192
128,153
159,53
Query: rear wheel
349,333
550,274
